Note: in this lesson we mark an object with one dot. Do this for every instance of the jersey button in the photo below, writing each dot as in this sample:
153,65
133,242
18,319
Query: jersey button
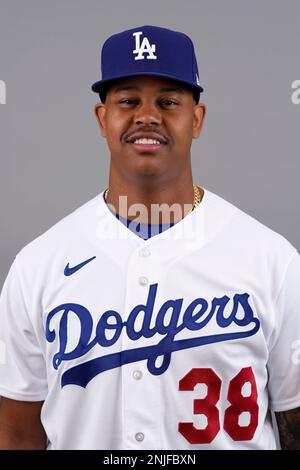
144,252
139,436
137,375
143,280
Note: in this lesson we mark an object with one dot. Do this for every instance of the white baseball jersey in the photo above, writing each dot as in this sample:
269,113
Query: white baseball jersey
182,341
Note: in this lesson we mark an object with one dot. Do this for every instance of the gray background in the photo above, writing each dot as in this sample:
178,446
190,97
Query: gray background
52,157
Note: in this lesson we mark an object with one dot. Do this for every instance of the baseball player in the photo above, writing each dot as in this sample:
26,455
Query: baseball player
131,326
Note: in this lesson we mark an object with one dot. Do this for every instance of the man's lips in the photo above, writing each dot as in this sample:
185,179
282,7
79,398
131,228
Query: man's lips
146,148
147,135
146,142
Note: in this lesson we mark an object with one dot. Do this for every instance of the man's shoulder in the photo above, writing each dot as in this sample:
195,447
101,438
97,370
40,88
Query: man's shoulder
62,234
246,229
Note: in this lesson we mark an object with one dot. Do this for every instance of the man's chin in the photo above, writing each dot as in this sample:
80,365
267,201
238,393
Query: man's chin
147,169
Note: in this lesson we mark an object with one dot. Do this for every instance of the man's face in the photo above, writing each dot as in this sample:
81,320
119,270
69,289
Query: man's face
149,124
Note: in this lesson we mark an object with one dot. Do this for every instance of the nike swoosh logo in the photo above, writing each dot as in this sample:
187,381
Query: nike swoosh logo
69,271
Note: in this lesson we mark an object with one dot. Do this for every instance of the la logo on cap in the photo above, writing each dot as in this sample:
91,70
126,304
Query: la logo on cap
144,48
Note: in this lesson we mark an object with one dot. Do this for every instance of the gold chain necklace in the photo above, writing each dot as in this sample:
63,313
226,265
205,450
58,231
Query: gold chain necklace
197,196
196,202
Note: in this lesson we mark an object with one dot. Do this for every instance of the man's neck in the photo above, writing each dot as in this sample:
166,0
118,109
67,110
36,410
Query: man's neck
166,204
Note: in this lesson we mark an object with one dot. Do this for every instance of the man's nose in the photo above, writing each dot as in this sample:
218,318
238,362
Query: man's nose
147,113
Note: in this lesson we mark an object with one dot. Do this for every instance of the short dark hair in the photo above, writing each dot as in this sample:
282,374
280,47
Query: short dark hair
102,96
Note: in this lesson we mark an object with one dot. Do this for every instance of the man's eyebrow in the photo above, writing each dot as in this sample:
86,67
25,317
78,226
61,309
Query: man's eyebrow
170,89
126,88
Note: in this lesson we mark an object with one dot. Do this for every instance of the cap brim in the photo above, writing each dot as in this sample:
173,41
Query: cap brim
101,85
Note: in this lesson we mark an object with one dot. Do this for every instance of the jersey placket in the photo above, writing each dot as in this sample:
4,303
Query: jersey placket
141,389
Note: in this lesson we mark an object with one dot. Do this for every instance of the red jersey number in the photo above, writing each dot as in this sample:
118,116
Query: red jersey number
240,403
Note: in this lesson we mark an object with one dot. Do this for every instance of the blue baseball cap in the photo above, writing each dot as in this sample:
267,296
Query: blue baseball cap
152,51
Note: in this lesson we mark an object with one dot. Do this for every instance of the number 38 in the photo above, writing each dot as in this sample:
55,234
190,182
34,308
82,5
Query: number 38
207,406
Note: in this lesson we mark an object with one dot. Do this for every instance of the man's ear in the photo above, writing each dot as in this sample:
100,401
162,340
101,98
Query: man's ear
100,112
199,114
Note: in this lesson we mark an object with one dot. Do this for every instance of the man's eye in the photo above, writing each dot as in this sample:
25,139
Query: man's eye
129,101
168,103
